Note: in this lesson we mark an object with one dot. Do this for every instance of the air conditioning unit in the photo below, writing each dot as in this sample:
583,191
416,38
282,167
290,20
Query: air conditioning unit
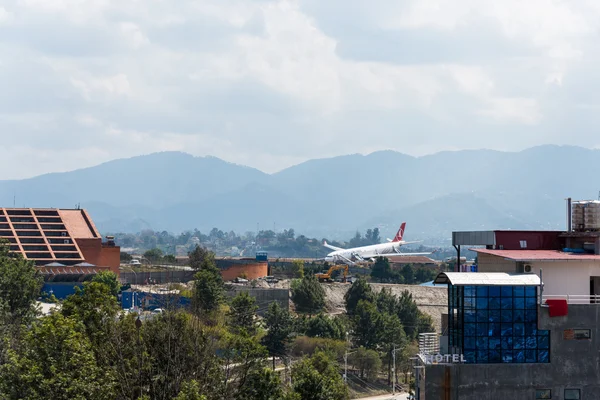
527,268
66,241
63,234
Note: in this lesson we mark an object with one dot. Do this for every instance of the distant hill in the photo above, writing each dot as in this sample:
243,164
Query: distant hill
333,197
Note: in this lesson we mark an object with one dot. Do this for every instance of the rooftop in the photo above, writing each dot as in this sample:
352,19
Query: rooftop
487,279
538,255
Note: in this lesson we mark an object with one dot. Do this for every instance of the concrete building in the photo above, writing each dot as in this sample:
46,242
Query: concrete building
503,343
63,243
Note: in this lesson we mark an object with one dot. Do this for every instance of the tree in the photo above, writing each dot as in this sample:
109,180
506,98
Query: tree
360,290
241,314
262,384
368,325
56,361
209,290
125,257
298,268
325,327
200,258
318,378
308,295
177,350
386,301
408,314
366,361
279,326
20,286
109,279
382,271
408,274
392,336
190,390
154,255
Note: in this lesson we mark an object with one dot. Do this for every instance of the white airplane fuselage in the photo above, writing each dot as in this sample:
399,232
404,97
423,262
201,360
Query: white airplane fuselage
365,252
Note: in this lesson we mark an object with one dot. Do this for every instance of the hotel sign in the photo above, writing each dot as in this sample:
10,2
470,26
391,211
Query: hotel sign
444,358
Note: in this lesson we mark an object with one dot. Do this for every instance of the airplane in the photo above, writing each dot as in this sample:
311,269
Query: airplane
369,253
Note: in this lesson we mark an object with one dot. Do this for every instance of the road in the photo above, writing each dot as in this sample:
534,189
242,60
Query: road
402,396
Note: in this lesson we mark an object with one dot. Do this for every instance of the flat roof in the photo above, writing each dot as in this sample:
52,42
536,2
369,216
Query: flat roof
538,255
487,279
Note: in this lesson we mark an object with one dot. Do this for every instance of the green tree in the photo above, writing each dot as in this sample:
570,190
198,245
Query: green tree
368,325
408,314
125,257
360,290
20,286
241,314
279,326
209,289
308,295
392,337
318,378
94,306
154,255
109,279
56,361
261,384
190,390
382,271
201,258
176,349
408,274
386,301
323,326
367,362
298,268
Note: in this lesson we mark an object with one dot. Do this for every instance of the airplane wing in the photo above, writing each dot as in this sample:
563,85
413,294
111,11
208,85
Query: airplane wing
331,247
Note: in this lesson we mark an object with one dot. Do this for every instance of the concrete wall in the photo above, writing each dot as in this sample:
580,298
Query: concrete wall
490,263
94,252
567,277
264,297
573,364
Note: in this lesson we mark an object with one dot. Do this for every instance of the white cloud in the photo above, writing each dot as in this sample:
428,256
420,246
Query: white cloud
270,83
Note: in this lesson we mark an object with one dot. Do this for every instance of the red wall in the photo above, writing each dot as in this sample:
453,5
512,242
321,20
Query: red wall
536,240
252,271
103,256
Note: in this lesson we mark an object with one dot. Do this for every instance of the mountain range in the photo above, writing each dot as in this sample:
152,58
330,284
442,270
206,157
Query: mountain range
332,197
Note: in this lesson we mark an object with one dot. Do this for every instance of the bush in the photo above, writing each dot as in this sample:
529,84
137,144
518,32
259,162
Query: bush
304,345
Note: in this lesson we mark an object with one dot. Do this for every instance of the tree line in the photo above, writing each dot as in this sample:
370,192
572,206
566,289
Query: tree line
88,348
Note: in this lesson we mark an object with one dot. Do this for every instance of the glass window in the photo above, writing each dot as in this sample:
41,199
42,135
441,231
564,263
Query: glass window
582,334
543,394
572,394
482,291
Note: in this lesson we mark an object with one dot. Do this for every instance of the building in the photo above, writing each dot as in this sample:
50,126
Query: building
63,243
504,341
526,325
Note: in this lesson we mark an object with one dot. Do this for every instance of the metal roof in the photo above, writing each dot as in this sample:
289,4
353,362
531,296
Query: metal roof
538,255
487,279
474,238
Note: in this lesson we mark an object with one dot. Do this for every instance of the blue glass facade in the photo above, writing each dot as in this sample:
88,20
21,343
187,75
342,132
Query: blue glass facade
497,324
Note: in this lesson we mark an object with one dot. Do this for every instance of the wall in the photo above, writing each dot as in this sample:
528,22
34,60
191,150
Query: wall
264,297
566,277
536,240
491,263
94,252
573,364
251,270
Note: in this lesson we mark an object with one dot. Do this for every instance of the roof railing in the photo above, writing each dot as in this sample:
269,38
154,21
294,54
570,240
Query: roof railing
574,298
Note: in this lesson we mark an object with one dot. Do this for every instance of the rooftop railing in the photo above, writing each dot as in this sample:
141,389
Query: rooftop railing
574,298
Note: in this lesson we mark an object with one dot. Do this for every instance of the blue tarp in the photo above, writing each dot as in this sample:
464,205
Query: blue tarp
60,290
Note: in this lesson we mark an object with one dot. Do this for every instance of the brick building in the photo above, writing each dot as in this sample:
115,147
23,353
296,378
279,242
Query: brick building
64,243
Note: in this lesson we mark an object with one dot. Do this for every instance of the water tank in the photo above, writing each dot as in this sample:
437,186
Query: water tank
586,215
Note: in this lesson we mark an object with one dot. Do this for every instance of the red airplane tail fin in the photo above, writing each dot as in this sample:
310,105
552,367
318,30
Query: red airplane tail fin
400,234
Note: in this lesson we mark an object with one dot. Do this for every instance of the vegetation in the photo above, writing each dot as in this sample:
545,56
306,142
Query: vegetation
89,349
308,295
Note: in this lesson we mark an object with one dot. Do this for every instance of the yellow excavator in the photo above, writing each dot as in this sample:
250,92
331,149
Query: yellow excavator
326,276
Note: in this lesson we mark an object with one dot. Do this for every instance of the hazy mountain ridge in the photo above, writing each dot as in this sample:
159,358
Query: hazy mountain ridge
435,194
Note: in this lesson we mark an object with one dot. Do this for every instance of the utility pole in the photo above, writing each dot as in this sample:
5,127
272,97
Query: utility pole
346,367
394,371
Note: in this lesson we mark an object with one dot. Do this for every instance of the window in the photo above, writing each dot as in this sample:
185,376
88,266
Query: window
523,244
572,394
543,394
582,334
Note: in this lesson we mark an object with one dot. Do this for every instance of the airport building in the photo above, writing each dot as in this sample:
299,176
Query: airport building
63,243
526,325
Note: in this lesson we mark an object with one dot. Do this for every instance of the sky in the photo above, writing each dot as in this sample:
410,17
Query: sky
273,83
